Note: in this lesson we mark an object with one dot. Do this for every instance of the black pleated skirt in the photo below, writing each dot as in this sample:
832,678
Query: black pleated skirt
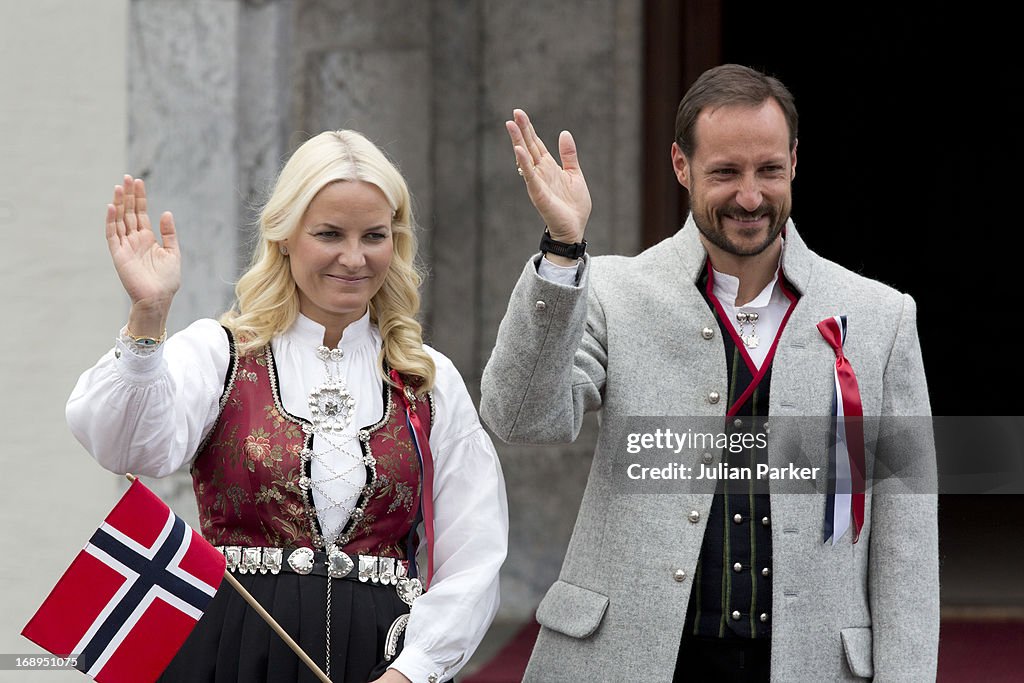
233,644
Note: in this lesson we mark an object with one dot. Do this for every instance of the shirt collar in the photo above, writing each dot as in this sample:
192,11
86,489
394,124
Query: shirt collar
358,333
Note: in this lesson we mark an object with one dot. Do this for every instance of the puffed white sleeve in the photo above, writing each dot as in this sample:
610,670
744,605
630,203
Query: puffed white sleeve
449,620
147,414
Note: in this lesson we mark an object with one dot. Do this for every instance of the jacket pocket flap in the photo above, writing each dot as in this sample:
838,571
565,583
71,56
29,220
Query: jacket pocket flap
572,610
857,644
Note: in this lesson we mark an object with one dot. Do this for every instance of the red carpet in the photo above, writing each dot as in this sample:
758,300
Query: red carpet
990,651
508,665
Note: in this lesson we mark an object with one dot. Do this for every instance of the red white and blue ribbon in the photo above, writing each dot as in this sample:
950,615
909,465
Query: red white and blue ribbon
421,443
845,499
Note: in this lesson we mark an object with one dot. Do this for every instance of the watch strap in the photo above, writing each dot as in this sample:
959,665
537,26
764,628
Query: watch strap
553,246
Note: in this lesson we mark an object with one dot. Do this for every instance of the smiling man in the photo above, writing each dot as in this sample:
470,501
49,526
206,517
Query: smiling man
733,320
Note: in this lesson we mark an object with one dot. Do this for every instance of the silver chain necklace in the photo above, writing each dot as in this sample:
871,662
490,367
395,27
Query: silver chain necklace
331,407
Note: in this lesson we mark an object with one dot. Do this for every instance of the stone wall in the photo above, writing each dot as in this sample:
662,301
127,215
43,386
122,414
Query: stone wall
62,131
220,91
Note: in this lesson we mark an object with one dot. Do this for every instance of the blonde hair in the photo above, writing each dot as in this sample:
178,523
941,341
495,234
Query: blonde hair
267,299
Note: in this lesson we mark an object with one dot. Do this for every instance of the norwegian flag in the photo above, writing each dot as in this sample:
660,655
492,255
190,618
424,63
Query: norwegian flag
132,595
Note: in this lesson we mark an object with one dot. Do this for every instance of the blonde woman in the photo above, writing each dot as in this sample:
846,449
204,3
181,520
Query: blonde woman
326,442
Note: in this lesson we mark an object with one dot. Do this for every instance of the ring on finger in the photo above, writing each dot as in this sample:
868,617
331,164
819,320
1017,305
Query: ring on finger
519,169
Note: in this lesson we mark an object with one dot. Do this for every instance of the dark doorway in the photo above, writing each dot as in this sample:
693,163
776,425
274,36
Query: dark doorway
911,171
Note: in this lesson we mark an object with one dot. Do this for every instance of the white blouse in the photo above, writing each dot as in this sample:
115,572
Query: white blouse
147,414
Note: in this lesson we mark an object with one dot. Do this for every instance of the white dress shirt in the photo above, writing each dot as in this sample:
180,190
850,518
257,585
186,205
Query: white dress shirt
148,413
770,305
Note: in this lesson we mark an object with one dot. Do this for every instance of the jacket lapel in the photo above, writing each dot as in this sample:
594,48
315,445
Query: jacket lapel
802,383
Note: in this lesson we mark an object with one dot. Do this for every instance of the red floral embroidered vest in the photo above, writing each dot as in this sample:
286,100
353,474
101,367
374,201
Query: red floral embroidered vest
249,471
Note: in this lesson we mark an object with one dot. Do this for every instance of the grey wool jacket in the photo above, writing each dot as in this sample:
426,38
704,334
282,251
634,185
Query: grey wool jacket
628,342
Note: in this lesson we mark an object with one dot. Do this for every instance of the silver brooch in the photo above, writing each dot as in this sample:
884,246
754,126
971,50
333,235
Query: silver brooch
386,567
394,633
409,590
301,561
233,554
272,560
339,564
368,569
252,560
325,354
750,340
331,406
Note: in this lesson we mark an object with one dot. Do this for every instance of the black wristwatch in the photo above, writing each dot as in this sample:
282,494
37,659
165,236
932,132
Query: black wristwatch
548,245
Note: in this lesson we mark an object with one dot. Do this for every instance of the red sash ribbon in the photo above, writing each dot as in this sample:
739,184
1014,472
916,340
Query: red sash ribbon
422,446
848,427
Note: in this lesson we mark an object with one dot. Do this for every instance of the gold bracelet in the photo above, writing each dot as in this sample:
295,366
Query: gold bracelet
145,341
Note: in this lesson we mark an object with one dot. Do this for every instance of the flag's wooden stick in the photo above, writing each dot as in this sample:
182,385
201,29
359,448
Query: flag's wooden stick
269,619
277,628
